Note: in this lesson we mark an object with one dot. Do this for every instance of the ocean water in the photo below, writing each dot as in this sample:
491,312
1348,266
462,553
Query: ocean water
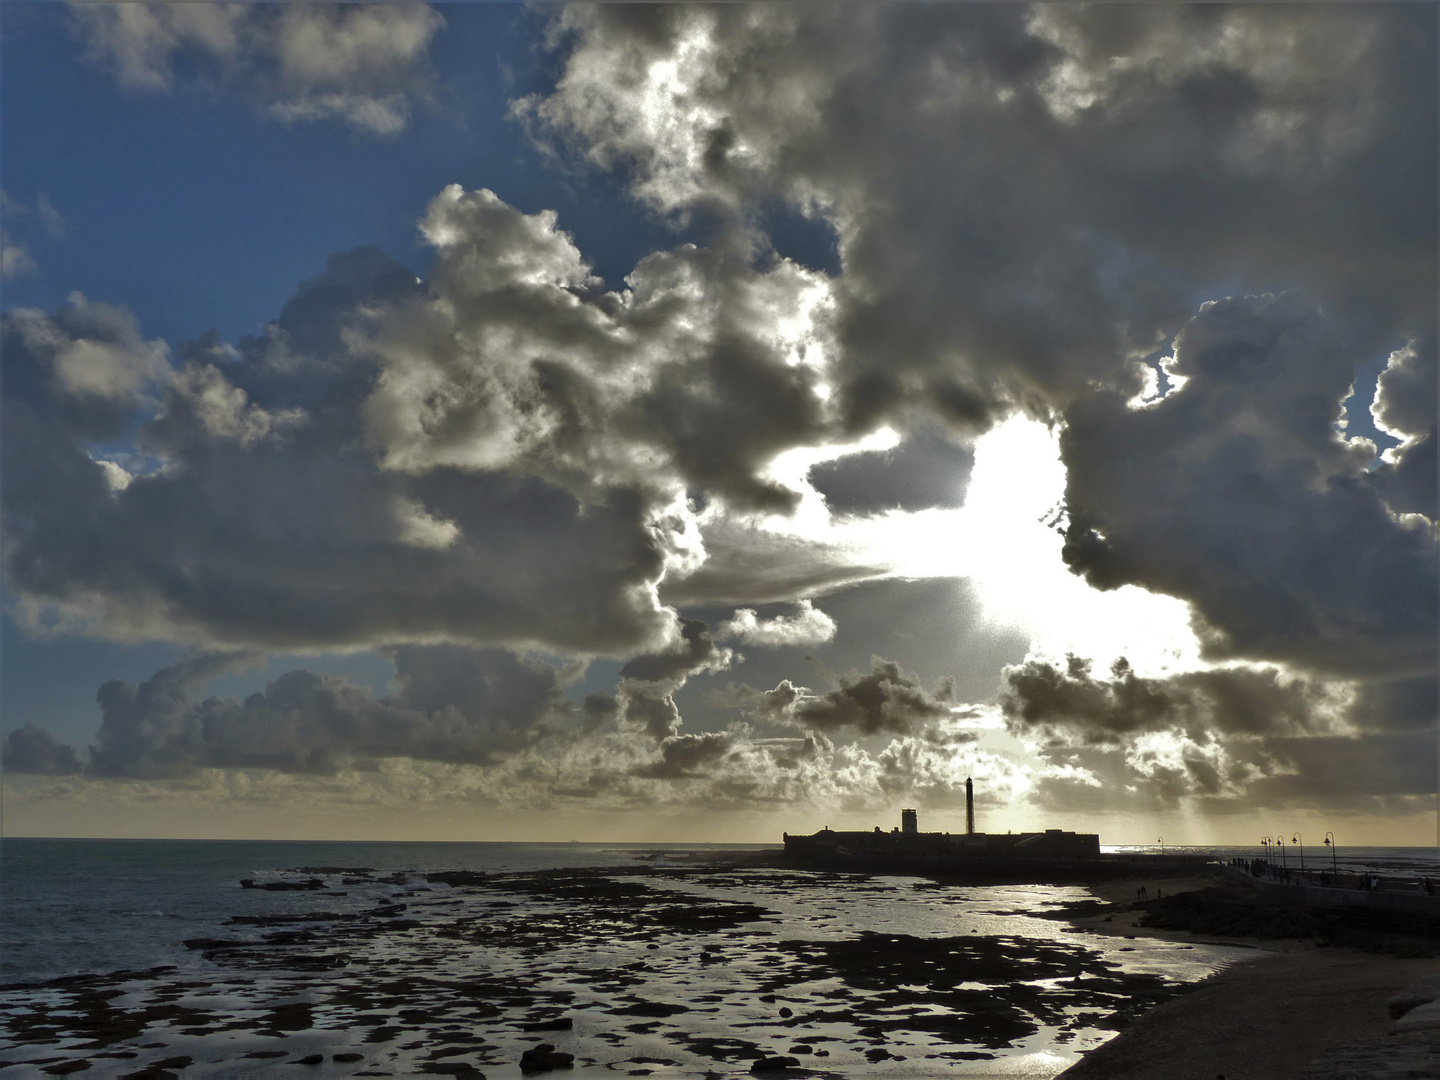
638,959
101,905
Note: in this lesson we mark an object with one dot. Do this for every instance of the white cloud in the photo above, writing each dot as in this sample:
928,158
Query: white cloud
363,64
807,626
93,349
15,259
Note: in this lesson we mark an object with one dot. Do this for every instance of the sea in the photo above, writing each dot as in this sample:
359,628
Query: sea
138,957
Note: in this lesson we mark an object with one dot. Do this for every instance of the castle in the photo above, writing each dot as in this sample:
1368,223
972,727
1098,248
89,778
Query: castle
908,843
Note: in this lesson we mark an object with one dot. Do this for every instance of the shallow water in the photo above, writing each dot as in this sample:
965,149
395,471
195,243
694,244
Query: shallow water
661,966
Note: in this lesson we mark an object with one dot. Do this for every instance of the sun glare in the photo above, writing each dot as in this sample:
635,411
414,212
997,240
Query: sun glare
1004,541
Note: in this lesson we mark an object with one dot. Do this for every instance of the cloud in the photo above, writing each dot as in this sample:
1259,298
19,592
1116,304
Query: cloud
695,376
452,705
1236,493
364,65
646,694
250,510
15,259
1404,408
808,626
745,563
1028,205
1226,740
886,699
923,470
1070,177
32,749
1072,706
1048,272
684,757
88,352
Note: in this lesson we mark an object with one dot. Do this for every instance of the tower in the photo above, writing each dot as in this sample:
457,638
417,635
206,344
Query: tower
969,807
909,823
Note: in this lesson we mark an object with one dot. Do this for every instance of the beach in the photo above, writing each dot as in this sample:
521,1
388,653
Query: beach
409,959
1294,1010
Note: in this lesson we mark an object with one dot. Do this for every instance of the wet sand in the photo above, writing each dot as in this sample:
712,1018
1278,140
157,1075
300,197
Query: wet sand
696,971
1286,1013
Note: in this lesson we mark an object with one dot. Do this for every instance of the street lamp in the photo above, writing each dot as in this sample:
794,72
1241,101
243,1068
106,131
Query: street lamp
1280,843
1265,845
1330,843
1161,841
1296,840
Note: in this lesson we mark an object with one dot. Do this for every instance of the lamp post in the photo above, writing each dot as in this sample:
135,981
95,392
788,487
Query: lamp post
1161,841
1280,843
1265,846
1330,843
1296,840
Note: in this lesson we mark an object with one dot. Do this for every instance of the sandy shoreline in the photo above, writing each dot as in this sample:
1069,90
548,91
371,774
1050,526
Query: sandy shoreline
1266,1018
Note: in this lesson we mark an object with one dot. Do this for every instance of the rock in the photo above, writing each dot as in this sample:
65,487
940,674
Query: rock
347,1058
801,1048
1401,1003
1421,1018
216,943
314,884
786,1012
310,1059
545,1057
559,1023
458,878
773,1064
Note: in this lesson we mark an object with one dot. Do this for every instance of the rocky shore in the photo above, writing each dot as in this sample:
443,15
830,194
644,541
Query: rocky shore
632,970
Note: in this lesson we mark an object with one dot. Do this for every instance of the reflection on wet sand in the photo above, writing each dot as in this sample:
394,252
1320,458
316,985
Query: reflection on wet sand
689,970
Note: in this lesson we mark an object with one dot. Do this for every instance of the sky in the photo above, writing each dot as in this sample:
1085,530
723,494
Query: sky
648,422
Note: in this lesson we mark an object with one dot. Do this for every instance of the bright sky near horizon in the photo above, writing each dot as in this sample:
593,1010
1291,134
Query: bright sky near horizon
475,421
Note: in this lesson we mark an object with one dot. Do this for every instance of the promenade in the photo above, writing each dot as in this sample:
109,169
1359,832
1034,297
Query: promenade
1321,888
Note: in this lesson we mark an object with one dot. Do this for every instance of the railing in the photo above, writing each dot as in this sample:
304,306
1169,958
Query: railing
1329,889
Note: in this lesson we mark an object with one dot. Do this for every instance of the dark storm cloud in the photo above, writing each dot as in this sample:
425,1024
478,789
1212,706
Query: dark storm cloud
32,749
686,379
1396,705
1375,774
451,705
924,470
886,699
1029,206
250,510
1027,198
82,371
646,694
1233,738
1074,706
1395,772
688,756
697,651
1236,494
1404,407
